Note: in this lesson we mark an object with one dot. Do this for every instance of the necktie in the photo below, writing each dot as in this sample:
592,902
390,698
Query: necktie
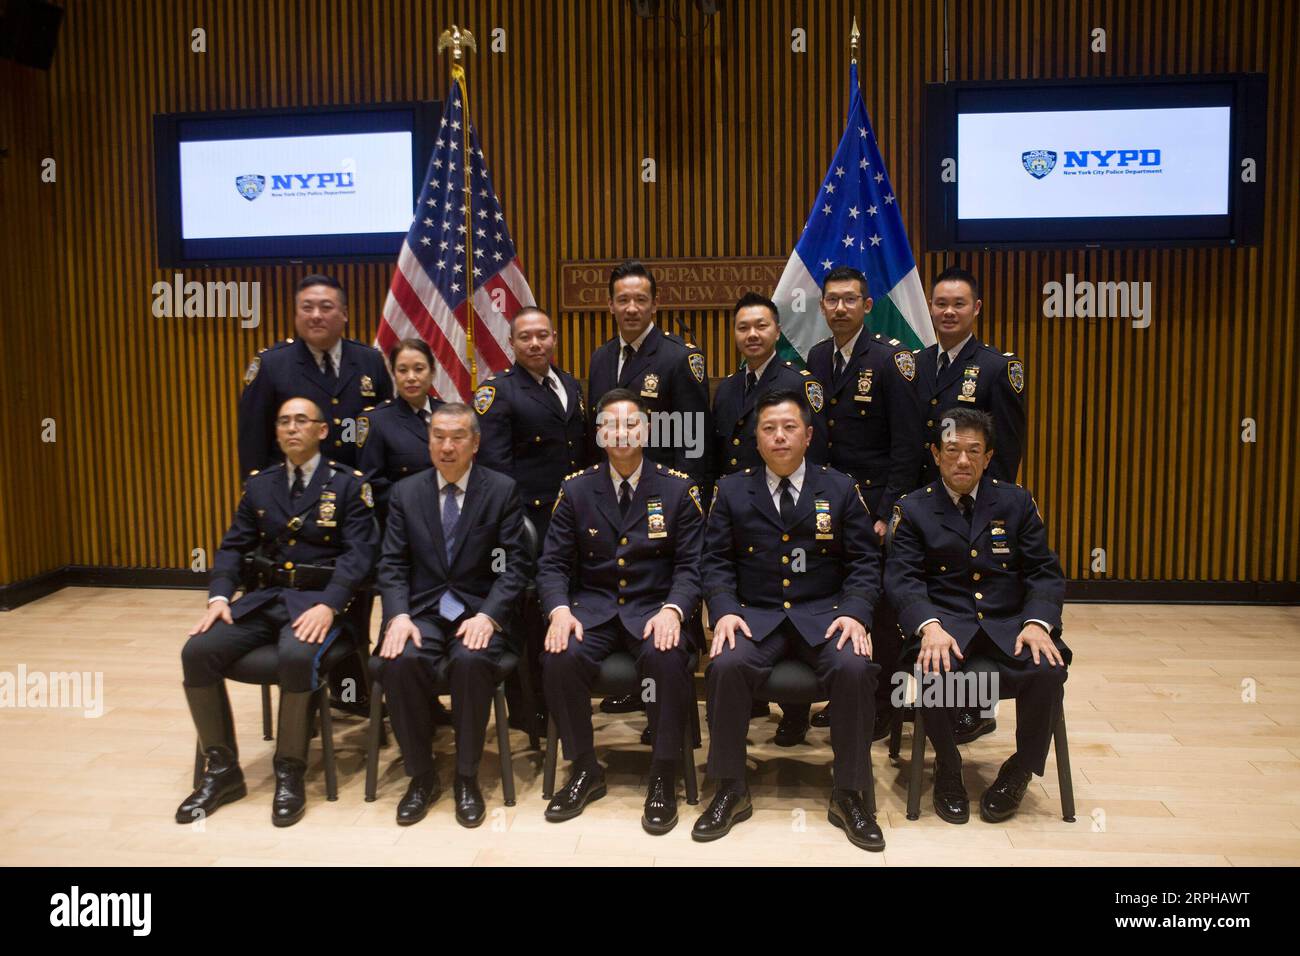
628,352
944,362
967,507
839,366
327,365
787,500
549,383
297,488
751,381
448,606
426,415
624,497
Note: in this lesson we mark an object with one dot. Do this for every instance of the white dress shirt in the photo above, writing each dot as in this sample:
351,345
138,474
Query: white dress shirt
336,355
559,386
796,483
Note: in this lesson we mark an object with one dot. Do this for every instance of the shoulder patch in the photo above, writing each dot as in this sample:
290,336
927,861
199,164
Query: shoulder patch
559,497
813,392
367,495
696,362
895,519
906,364
484,397
1016,375
694,492
363,430
253,368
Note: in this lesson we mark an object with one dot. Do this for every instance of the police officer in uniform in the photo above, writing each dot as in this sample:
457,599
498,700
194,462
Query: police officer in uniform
341,375
667,374
305,530
533,418
874,420
977,587
959,371
393,436
791,569
621,571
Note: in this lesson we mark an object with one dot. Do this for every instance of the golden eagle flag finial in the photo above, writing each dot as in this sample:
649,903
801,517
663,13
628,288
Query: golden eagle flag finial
459,40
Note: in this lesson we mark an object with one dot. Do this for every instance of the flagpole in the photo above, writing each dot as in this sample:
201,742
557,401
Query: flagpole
459,41
853,41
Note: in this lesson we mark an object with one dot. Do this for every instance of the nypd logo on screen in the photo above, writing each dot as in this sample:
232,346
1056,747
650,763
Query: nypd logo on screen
1092,162
252,185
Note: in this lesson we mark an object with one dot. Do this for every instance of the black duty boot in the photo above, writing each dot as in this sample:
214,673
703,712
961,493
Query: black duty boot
291,735
222,781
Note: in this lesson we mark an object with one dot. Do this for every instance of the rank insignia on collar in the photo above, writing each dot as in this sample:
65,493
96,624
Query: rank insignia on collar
813,391
650,386
1016,375
696,362
969,376
367,386
593,531
484,397
906,364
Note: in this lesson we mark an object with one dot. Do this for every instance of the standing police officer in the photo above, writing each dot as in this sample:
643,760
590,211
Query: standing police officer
306,529
874,419
340,375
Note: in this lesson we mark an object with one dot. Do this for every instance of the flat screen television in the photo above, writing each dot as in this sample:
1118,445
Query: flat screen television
1158,161
278,186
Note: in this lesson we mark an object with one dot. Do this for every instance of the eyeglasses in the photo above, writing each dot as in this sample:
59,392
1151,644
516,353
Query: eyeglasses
284,421
833,301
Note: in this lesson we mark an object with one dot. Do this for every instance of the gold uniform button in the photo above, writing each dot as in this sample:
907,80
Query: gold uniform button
934,401
622,540
930,423
537,502
288,565
975,576
327,537
785,559
733,461
621,562
980,615
337,422
785,537
621,601
338,443
974,553
979,596
786,604
785,582
828,444
334,401
867,482
735,441
943,567
751,549
835,401
538,438
622,582
831,423
292,542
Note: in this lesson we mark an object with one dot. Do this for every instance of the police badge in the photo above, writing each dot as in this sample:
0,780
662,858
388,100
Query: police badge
906,364
696,361
864,386
970,375
656,527
1038,162
1016,375
813,390
650,386
484,397
367,387
325,517
250,185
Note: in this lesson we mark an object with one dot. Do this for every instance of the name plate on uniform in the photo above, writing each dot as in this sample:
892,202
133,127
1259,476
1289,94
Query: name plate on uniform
681,283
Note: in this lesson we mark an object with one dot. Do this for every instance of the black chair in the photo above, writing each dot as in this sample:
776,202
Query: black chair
618,676
505,667
976,665
262,666
795,683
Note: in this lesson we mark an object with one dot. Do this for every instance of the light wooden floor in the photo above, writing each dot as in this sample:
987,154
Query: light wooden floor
1171,766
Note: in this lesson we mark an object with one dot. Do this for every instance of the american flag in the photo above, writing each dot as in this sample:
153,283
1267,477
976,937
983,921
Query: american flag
427,298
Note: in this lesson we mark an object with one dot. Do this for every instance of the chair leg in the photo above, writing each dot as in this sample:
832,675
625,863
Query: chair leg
1063,768
267,732
918,760
871,784
548,765
327,742
688,758
529,698
896,733
503,742
373,733
198,763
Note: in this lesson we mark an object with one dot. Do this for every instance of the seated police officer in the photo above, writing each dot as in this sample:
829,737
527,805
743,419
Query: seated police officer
306,528
453,566
620,570
791,569
972,577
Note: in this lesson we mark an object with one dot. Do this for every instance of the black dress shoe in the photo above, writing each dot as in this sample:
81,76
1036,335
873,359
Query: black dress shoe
660,814
420,794
822,718
470,810
792,729
950,800
290,801
647,738
760,708
583,787
729,806
222,782
849,812
969,725
626,704
1001,800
